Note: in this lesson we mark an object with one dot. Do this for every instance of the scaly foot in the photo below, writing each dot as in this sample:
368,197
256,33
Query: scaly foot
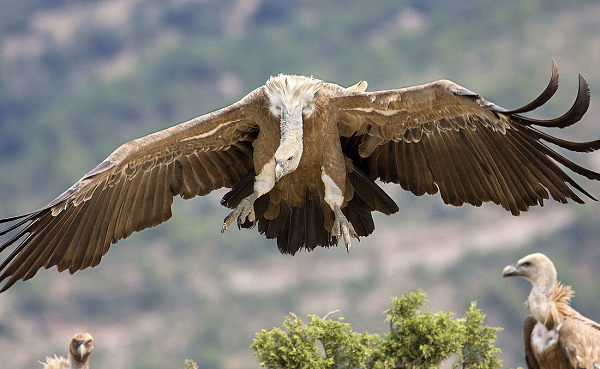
343,228
245,210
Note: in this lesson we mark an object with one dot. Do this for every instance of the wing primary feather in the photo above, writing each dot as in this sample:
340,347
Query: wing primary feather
507,160
97,237
544,150
590,174
479,176
437,169
32,259
81,239
588,146
66,250
10,219
465,173
16,251
548,173
132,210
575,113
64,227
544,97
501,190
124,201
29,216
452,164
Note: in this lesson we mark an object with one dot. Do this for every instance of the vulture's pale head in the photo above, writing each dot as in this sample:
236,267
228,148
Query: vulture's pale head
291,99
81,346
536,268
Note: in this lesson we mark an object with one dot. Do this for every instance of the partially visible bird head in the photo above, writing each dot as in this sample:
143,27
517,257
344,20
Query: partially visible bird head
291,99
292,93
81,346
536,268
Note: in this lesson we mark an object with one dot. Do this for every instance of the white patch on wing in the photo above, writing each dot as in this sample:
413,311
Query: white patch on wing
209,133
333,194
265,180
542,338
378,111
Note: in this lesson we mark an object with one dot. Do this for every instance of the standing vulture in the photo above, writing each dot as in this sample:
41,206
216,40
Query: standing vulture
80,348
555,335
301,157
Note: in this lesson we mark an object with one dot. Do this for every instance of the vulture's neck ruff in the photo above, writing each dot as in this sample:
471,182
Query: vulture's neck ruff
291,98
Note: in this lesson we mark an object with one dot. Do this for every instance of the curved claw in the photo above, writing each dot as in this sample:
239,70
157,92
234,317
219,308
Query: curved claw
342,227
245,210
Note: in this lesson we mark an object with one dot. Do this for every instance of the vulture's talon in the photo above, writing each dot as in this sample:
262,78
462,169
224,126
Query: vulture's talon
343,228
245,210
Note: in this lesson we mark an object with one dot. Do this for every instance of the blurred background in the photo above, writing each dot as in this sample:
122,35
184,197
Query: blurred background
79,78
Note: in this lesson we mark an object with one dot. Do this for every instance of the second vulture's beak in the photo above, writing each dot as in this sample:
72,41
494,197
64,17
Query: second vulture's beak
278,170
510,271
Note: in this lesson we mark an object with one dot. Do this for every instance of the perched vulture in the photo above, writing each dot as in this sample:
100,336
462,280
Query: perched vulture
301,157
555,335
80,348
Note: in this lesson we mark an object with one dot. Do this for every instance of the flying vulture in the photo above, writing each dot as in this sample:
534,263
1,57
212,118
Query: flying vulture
555,335
80,348
301,157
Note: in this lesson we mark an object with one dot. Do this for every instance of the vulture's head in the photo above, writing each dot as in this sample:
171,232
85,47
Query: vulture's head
291,99
536,268
81,346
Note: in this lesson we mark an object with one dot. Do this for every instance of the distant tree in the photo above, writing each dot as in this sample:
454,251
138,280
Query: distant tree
417,339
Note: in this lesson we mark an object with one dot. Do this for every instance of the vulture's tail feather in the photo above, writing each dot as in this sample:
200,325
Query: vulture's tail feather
304,225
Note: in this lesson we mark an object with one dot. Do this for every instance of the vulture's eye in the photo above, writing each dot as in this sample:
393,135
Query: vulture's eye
527,264
290,158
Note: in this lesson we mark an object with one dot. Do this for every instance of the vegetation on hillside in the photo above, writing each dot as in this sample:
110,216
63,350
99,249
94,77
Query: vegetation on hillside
417,339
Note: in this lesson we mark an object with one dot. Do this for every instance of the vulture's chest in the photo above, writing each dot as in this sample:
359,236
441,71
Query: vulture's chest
546,347
542,339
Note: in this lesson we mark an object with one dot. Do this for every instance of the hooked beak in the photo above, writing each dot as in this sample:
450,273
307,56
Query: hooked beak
511,271
81,349
278,170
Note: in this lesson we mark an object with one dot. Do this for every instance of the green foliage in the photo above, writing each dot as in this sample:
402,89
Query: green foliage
417,339
297,348
190,364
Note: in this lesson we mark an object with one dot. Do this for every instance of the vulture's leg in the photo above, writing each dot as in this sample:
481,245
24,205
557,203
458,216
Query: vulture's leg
244,210
342,227
263,183
334,197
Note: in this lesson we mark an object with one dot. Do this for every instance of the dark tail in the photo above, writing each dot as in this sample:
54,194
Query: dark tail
308,226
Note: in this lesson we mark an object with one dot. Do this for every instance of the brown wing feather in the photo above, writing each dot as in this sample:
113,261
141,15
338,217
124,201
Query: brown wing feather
579,338
443,136
133,189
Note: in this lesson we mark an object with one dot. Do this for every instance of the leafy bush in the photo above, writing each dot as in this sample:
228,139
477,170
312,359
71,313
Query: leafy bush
417,339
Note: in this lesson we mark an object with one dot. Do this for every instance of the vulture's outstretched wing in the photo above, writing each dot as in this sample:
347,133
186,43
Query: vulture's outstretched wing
443,136
579,338
133,189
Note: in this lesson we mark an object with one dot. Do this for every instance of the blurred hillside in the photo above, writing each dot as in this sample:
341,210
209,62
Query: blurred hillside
79,78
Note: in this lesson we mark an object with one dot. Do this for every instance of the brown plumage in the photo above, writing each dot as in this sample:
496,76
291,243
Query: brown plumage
80,348
555,336
301,157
